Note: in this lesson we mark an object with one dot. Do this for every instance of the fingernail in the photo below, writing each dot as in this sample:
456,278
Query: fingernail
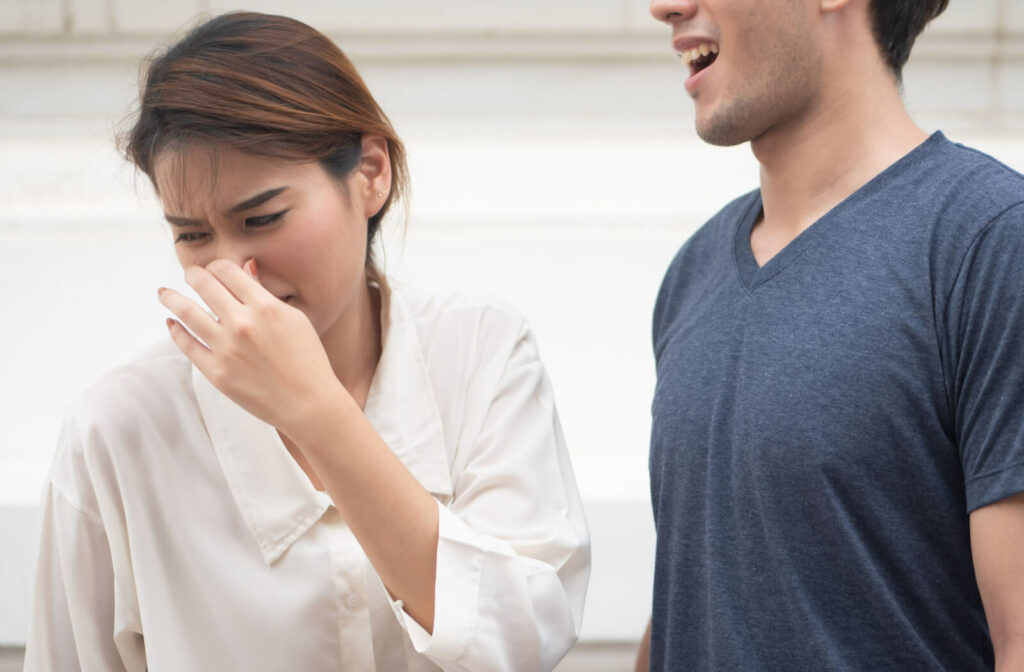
250,265
169,322
160,291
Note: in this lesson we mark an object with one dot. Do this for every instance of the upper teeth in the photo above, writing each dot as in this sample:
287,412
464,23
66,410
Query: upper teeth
695,54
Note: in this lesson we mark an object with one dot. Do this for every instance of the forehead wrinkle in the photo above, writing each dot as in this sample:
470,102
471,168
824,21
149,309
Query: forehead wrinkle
187,177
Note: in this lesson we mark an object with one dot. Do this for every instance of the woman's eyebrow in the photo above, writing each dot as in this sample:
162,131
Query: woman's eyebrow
258,199
248,204
182,221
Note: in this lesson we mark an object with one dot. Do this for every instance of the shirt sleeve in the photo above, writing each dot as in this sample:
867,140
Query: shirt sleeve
986,317
513,557
73,616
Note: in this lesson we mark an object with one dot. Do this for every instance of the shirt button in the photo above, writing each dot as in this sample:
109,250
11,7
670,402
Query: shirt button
352,601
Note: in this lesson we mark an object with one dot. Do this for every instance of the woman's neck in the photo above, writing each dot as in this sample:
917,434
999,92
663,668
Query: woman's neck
354,344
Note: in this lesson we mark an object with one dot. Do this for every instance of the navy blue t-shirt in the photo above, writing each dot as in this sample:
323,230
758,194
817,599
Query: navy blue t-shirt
824,424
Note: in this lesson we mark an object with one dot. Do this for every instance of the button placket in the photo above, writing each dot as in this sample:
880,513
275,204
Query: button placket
348,563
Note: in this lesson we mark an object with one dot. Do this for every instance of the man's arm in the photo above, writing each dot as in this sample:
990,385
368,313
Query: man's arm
997,542
643,655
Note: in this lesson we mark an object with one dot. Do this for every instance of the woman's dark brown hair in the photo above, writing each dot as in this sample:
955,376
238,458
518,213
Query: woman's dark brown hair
267,85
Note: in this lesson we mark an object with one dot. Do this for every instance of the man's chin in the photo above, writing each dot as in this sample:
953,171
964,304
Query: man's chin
722,137
725,130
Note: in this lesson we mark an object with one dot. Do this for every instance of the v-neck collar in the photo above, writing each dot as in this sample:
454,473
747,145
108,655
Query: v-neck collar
752,275
276,499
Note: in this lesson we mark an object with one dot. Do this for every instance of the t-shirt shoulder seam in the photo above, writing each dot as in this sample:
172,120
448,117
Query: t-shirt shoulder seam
970,246
959,272
989,159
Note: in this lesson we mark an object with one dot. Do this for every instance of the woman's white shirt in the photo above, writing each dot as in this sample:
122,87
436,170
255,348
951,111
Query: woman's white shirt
179,534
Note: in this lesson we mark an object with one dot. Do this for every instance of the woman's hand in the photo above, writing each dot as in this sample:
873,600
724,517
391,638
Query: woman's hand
266,356
262,353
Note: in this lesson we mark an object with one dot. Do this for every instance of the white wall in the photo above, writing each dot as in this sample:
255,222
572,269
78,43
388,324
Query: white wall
553,163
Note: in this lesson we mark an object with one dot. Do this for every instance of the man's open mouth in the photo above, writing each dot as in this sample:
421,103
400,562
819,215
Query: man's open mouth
699,57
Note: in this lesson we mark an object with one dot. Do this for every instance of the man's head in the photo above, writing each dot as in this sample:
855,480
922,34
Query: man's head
763,66
897,23
776,63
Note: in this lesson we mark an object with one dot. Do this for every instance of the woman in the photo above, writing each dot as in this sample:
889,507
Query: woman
322,472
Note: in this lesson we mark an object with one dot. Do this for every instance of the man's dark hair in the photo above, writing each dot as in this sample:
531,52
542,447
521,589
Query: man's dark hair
897,23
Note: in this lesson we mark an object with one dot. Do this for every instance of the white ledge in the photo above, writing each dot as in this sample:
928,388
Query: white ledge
589,46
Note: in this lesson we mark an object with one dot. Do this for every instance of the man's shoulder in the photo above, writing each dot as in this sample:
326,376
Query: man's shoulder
972,163
955,194
707,254
716,236
965,181
727,219
720,228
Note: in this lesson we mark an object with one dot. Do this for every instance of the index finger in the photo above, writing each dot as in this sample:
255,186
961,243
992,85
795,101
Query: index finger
239,282
212,291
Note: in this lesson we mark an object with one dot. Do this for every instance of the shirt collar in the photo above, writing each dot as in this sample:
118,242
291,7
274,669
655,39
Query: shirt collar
276,499
401,403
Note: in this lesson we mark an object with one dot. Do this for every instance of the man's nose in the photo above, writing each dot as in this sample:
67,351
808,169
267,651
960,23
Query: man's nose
669,11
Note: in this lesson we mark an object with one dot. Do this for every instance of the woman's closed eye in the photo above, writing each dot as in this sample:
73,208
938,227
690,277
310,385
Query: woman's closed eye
190,236
264,220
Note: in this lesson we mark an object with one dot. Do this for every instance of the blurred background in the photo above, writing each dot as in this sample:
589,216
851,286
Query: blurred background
554,164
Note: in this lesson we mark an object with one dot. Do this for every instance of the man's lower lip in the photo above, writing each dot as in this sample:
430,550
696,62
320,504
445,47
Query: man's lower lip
693,80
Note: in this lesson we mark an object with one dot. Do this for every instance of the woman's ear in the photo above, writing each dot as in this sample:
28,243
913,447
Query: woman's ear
375,169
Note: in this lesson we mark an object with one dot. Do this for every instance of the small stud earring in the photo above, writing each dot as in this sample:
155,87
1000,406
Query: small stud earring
380,195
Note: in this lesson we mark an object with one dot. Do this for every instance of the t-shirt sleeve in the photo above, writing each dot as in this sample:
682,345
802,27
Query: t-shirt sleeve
985,318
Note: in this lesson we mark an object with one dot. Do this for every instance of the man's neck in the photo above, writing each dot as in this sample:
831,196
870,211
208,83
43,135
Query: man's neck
813,164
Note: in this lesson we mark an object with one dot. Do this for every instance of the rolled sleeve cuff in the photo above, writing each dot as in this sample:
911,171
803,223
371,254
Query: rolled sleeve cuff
460,561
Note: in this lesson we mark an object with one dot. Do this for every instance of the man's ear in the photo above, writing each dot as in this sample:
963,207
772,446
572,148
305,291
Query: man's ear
375,169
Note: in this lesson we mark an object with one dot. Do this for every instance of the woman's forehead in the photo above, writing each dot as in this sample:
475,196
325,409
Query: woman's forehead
189,174
185,173
192,177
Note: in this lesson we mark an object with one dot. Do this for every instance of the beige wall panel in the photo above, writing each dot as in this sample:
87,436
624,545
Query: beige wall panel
930,83
157,17
448,16
968,16
1013,16
90,17
32,17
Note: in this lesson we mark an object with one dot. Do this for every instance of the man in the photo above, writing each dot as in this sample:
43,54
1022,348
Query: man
837,454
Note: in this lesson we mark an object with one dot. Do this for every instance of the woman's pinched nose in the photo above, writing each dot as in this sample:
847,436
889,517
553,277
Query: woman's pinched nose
237,250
